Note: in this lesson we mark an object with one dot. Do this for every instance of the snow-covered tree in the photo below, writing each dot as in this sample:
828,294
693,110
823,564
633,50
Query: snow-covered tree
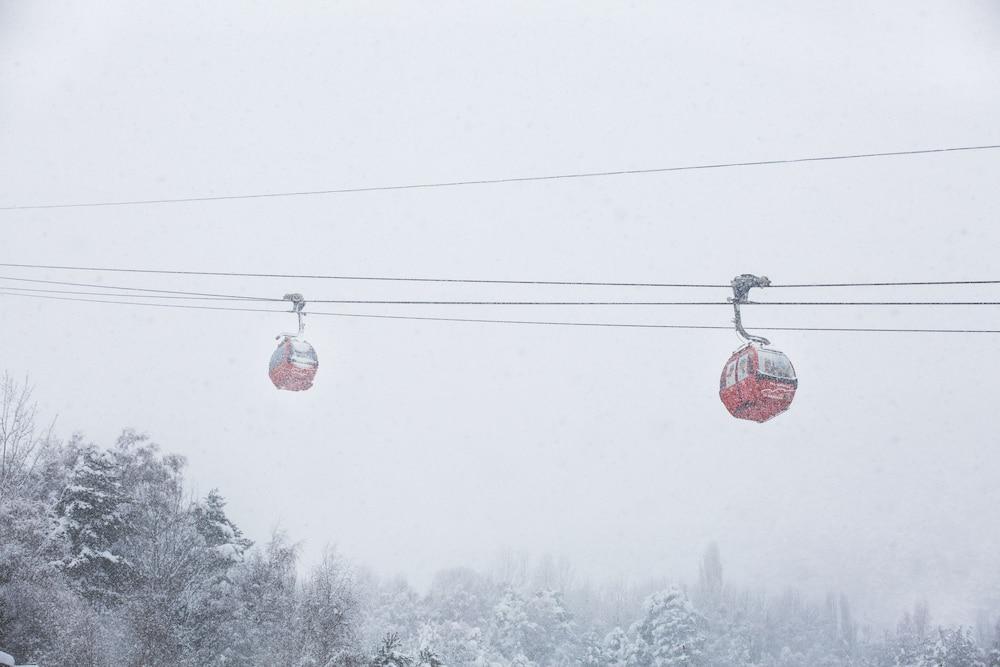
389,607
222,537
457,643
428,658
613,651
549,637
21,446
389,653
911,644
328,612
222,548
708,593
954,648
262,599
91,516
670,633
461,594
510,625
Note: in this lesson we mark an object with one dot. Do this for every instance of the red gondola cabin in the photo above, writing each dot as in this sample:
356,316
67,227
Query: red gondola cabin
293,364
757,383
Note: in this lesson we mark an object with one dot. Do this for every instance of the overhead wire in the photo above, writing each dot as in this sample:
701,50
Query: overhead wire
652,303
306,276
181,295
629,325
496,181
477,281
105,294
236,297
910,283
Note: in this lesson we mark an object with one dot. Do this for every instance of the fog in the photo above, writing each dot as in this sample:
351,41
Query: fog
425,445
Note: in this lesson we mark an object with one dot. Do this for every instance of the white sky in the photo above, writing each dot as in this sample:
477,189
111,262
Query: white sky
425,445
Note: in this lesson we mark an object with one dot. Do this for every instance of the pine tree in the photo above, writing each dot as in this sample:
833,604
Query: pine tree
222,536
709,590
90,517
219,551
389,655
428,658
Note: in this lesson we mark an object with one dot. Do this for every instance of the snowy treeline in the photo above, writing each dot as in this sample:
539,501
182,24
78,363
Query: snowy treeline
105,560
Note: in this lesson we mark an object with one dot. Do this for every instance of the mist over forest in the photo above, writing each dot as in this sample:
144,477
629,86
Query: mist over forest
107,558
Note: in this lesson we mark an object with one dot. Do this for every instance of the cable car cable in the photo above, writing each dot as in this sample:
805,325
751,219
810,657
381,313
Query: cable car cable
235,297
374,278
871,303
654,326
177,294
198,296
495,181
893,284
235,274
130,295
628,325
654,303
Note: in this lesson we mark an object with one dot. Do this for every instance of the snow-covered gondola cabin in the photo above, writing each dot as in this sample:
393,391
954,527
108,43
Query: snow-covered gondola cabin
293,364
757,383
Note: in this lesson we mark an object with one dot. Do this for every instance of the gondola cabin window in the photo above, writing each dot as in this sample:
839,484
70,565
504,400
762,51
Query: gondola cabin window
743,367
730,374
775,365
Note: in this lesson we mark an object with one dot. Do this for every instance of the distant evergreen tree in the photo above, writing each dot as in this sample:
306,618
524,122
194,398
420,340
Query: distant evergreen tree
90,516
222,536
220,550
709,590
389,655
428,658
954,648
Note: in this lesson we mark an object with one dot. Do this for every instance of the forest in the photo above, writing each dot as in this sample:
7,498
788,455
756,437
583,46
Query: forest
106,558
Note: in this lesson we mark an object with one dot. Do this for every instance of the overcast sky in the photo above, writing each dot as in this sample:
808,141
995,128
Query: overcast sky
425,445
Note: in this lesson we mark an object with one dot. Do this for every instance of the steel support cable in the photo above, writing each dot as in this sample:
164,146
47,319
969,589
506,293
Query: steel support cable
653,303
235,297
474,281
306,276
495,181
890,284
504,321
199,296
127,295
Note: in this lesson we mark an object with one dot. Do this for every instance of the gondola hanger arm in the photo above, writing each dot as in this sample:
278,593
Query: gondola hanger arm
742,284
298,303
